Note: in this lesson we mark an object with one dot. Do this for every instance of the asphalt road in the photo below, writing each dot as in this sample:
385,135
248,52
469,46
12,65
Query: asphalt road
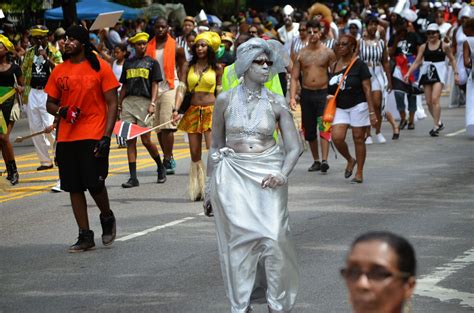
165,258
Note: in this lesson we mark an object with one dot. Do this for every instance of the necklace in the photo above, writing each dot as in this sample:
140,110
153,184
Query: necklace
251,118
200,69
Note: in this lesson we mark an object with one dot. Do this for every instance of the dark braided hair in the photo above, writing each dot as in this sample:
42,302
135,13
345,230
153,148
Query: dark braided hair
90,52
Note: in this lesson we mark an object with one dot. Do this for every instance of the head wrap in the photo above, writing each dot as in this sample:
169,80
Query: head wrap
79,33
212,39
142,36
39,31
288,10
252,48
7,43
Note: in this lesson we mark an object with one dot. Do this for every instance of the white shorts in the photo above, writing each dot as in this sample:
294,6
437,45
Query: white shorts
357,116
377,80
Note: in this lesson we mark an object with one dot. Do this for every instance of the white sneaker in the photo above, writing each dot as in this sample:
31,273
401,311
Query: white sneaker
369,141
57,187
379,138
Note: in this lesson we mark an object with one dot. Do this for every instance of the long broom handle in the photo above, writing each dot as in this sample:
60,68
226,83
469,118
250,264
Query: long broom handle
20,139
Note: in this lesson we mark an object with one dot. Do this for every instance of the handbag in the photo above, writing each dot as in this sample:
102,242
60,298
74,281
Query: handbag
430,77
186,103
330,109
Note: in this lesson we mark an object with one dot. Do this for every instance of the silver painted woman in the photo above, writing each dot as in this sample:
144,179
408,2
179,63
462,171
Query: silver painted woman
247,187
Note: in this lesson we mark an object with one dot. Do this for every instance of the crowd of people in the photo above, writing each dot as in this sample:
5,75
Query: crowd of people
235,85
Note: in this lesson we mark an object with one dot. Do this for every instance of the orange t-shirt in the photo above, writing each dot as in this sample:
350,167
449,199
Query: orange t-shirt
80,85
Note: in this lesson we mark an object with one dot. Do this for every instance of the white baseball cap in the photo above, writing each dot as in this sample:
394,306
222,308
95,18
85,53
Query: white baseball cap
433,27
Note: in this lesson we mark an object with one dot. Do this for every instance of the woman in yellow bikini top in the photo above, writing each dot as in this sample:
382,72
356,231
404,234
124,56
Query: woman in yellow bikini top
202,77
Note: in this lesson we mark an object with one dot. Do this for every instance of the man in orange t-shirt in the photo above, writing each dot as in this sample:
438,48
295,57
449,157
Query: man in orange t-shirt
82,94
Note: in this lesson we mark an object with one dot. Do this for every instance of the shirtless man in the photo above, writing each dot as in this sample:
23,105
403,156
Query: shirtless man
312,63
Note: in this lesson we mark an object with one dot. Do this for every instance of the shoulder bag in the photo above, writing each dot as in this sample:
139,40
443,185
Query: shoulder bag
330,109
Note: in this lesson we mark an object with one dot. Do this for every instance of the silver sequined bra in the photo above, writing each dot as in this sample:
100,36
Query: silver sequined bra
243,120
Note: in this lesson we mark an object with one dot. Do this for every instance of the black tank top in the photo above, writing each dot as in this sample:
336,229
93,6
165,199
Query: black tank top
436,55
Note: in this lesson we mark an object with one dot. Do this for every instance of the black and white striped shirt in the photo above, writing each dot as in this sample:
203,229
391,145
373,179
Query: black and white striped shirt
372,52
330,43
297,44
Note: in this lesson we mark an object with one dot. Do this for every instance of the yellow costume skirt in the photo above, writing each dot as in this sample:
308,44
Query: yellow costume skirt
197,119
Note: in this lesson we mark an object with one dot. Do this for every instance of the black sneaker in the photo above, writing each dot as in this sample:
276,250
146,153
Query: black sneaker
85,242
315,167
108,229
161,175
324,166
15,178
131,182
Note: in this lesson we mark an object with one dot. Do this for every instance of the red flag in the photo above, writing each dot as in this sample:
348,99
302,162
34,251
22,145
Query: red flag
128,130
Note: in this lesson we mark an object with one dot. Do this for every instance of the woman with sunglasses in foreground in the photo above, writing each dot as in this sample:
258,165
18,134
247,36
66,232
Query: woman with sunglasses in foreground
380,273
432,57
354,105
247,187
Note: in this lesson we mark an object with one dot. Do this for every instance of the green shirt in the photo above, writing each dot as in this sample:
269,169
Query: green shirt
232,82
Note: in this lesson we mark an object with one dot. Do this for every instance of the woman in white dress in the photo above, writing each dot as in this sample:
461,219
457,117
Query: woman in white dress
247,183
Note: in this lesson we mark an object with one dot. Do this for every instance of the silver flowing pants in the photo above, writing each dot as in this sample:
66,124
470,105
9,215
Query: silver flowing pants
257,255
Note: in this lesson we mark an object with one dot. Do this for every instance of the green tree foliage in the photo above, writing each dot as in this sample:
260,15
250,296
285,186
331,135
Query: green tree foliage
21,5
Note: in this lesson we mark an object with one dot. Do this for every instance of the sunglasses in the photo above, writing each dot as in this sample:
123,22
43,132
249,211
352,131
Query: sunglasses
429,33
341,44
262,61
312,32
377,275
302,29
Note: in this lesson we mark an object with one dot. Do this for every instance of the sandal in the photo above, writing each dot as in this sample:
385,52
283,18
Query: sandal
396,134
356,180
403,124
348,173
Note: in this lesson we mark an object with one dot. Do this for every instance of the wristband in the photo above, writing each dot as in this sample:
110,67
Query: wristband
153,103
371,113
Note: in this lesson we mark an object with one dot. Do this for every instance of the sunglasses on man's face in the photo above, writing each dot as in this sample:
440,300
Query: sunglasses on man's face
262,61
429,33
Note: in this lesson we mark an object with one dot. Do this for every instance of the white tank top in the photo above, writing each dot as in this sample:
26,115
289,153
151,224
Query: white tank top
163,85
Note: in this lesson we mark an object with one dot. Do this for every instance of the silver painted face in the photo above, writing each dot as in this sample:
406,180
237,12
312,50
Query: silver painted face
259,73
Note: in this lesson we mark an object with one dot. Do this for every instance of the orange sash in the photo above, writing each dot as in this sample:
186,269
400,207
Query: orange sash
169,57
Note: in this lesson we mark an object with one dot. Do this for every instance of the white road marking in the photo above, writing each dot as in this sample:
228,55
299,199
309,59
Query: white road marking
427,285
153,229
456,133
